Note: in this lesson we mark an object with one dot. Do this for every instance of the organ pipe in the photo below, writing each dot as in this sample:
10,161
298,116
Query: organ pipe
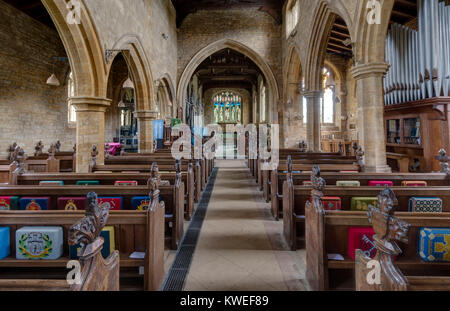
419,60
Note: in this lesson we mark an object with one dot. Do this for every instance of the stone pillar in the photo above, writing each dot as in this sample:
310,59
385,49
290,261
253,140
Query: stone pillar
369,94
145,129
314,121
90,129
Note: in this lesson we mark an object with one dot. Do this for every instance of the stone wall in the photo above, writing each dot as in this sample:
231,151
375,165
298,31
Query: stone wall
250,27
30,109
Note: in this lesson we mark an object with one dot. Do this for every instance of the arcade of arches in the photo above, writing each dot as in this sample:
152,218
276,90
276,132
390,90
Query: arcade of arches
318,69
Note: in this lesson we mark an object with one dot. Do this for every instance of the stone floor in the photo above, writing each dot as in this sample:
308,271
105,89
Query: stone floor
240,245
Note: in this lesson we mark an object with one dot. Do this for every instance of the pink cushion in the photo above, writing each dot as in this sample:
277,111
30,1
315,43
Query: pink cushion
380,183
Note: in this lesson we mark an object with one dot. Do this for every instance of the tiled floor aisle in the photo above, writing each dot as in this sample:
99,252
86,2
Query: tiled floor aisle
240,245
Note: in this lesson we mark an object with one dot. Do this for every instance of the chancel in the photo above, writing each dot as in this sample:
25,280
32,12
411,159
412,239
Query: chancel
135,146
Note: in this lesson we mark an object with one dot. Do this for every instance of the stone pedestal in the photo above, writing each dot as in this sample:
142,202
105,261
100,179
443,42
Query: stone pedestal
369,94
90,129
314,121
145,129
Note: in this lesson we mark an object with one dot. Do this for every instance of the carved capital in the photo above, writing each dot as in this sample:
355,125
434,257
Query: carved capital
146,115
369,70
95,104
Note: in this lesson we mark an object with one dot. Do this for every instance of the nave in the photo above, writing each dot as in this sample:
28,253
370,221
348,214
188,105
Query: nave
240,242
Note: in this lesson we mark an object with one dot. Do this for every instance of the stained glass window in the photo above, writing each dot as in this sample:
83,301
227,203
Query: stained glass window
227,108
327,105
70,93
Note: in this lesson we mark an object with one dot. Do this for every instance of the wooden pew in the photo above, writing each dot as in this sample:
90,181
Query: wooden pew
295,198
327,233
278,177
402,161
109,179
328,165
173,196
388,230
134,231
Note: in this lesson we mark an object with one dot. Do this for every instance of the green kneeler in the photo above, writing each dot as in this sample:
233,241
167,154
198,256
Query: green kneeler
88,183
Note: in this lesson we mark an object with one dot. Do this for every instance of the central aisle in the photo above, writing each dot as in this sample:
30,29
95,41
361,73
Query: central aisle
240,245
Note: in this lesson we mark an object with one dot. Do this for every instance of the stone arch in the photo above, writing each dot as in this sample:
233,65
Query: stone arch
139,70
237,46
83,49
371,39
324,17
169,93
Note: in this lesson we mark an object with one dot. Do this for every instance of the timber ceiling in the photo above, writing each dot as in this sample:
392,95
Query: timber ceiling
185,7
34,9
228,69
404,12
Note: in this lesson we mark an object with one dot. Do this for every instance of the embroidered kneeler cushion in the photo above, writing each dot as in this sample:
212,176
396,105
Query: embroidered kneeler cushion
115,203
348,183
140,203
425,205
126,183
34,204
331,203
4,242
39,243
307,183
88,183
362,203
293,172
72,203
380,183
434,244
108,245
9,203
361,238
414,183
51,183
349,172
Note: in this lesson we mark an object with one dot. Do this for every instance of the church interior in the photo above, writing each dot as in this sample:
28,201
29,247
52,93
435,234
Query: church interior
224,145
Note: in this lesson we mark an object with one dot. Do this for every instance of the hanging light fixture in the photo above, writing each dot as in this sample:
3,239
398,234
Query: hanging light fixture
53,80
128,84
122,104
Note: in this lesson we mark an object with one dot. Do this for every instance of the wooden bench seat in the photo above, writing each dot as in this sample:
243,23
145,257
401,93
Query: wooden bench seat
295,198
173,196
278,177
134,231
109,179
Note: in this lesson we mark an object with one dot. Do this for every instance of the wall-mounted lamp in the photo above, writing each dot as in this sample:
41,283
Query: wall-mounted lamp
53,80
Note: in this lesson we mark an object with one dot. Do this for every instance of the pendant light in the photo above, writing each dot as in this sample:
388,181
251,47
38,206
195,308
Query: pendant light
53,80
128,84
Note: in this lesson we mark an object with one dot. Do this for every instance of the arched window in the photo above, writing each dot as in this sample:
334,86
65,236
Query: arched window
262,104
327,103
72,115
227,108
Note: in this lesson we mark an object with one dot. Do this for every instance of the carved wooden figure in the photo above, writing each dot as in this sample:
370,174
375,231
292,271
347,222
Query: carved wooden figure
11,151
94,154
38,149
388,229
443,159
97,273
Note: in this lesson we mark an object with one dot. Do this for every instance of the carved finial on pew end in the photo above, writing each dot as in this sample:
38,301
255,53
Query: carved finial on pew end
388,229
318,183
38,149
52,151
302,146
155,177
57,146
103,274
359,153
341,148
11,150
443,159
17,166
107,154
74,149
94,154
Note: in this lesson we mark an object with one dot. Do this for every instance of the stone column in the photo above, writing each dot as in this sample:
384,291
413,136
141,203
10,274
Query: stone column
145,129
314,121
90,129
369,94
